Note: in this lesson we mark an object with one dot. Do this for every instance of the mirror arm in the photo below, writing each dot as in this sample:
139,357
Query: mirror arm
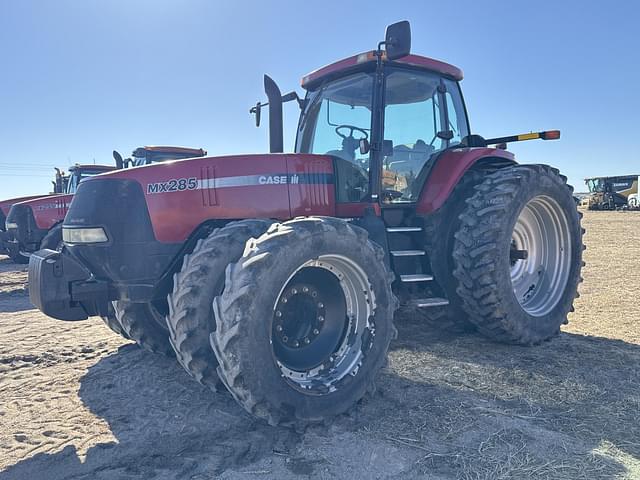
285,98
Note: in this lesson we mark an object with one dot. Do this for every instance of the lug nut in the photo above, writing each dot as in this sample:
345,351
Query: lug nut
285,339
307,341
296,344
316,331
294,291
284,300
320,305
279,328
321,318
305,289
278,313
314,294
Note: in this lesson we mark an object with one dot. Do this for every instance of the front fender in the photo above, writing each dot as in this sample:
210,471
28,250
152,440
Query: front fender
449,169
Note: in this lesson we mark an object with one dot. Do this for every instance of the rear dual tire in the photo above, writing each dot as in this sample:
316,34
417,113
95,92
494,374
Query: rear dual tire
518,254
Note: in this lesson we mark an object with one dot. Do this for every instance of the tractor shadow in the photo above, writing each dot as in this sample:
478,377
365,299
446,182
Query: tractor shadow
13,286
447,407
15,302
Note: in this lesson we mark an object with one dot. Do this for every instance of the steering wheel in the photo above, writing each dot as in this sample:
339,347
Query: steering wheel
351,130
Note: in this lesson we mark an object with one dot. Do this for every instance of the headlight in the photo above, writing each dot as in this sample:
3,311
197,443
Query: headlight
84,235
9,225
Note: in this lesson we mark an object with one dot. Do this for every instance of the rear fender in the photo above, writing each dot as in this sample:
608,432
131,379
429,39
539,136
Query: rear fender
450,168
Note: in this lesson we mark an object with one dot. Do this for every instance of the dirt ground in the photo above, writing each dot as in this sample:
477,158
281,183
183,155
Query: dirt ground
77,401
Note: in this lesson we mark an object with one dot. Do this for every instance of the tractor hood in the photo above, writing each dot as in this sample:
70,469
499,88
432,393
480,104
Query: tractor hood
45,211
180,195
5,205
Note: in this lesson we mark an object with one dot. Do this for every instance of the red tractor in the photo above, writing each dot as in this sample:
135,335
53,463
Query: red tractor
59,186
37,223
280,274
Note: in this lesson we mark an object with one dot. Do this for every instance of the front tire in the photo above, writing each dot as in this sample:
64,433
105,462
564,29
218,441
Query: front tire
19,258
305,320
112,322
518,254
142,323
53,239
198,282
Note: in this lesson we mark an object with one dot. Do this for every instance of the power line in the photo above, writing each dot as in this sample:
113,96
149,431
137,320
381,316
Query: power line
20,164
23,175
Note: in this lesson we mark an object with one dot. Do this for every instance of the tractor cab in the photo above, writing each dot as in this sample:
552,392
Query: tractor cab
417,107
383,115
386,117
147,155
79,172
153,154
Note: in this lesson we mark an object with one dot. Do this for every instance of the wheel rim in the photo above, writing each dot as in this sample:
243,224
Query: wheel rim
322,323
540,255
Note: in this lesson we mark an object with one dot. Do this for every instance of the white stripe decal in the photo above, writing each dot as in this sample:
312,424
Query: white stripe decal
182,184
239,181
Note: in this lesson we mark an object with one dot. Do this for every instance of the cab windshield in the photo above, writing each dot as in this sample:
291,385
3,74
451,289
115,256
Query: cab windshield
145,157
595,185
77,175
336,117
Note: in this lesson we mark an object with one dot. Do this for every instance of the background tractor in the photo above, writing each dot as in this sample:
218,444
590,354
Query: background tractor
37,223
279,275
59,186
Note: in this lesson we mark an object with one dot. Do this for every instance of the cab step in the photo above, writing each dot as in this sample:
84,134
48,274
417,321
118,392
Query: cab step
430,302
407,253
416,277
403,229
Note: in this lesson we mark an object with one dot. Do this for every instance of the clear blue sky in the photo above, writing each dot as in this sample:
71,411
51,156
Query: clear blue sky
80,78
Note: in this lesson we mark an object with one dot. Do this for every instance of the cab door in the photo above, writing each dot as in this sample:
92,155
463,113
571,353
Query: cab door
423,116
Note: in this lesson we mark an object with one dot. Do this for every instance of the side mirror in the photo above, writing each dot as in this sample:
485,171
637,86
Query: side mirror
293,96
364,146
256,110
398,40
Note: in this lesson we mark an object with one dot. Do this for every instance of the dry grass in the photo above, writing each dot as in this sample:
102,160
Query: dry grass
74,405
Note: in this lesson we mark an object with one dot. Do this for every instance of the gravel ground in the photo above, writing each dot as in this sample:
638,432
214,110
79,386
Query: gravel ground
77,401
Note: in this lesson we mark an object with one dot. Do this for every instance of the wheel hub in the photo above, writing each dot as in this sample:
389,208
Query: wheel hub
300,316
539,255
322,324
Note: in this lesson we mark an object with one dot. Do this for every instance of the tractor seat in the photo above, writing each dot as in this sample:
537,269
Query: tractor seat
410,159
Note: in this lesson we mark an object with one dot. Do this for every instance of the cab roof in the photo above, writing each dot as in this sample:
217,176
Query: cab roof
168,149
104,168
356,62
613,177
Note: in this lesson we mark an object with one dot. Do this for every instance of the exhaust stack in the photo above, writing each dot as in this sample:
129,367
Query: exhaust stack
276,142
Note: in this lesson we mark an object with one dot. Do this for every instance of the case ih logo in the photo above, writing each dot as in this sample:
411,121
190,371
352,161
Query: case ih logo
182,184
50,206
278,179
